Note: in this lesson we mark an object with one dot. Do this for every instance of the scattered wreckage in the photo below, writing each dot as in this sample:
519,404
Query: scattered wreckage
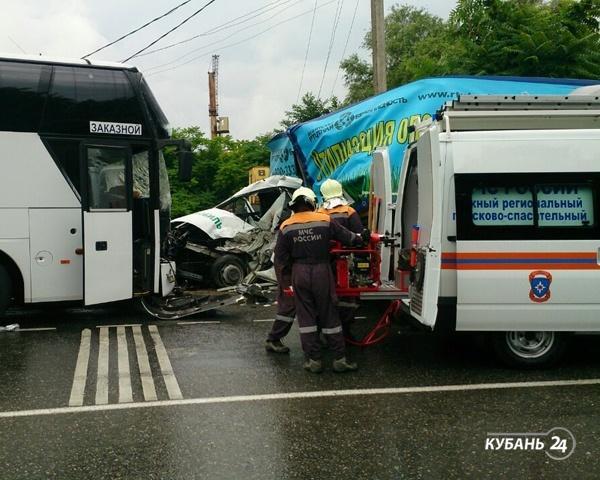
227,245
222,256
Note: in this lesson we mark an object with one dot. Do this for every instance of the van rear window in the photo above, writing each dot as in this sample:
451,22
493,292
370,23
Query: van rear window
527,206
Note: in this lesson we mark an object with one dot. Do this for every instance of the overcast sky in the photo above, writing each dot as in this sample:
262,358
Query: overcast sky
259,77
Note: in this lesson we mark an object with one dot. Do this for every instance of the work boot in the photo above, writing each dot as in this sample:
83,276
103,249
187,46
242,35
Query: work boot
342,365
276,346
313,366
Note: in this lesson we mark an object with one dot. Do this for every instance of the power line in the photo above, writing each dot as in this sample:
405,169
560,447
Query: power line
217,42
312,23
226,25
336,21
345,47
289,19
137,29
16,44
171,30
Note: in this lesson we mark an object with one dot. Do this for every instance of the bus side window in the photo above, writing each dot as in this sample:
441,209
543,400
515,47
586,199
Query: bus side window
21,96
66,156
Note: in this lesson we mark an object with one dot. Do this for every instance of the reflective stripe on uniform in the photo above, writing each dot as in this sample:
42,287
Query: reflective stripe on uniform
283,318
302,226
309,329
331,331
347,304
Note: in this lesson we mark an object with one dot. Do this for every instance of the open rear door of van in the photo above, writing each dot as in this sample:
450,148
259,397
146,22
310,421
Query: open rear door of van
381,182
426,283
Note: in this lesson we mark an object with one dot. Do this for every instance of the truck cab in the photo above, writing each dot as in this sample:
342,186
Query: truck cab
499,203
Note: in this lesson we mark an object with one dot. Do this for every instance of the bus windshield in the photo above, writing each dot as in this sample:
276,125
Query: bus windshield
164,186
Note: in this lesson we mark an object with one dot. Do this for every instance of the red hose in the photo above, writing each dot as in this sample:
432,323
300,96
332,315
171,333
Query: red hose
381,329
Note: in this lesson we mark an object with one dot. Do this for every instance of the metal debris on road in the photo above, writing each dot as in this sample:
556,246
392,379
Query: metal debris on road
10,328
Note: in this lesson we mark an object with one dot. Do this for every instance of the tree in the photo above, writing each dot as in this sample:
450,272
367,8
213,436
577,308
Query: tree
220,169
559,38
309,107
529,37
417,44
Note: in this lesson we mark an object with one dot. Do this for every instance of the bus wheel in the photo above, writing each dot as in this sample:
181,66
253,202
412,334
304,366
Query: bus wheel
227,271
529,349
5,290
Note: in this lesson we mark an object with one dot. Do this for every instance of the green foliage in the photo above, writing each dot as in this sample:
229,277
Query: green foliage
558,38
417,45
309,107
220,169
530,37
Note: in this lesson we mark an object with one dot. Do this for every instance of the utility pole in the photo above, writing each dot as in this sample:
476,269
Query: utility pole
213,106
378,41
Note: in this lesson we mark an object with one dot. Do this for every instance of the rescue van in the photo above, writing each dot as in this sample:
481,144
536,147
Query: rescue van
499,218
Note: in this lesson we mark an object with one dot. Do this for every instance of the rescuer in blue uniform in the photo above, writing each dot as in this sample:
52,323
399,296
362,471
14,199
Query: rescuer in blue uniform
286,310
303,245
337,207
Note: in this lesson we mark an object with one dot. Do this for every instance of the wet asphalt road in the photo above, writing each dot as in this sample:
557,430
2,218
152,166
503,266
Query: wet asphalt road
220,429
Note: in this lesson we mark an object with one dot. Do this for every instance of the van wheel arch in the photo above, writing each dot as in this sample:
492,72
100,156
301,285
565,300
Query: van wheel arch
15,276
529,350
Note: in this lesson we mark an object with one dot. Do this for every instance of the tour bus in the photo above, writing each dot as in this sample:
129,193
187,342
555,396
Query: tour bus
499,205
84,191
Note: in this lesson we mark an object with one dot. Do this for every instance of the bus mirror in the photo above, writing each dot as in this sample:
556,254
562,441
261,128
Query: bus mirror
186,160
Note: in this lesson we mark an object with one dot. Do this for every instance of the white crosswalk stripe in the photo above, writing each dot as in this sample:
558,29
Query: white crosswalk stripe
165,365
100,393
144,366
102,378
78,388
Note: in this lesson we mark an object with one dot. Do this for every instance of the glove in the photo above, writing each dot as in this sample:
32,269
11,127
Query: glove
362,238
366,236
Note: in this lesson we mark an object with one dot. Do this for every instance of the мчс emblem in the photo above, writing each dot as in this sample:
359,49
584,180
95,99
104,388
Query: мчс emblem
540,286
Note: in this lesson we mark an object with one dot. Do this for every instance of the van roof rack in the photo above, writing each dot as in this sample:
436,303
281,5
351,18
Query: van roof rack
520,112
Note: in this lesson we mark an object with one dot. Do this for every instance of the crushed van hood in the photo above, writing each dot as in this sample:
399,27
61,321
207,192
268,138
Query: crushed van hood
216,223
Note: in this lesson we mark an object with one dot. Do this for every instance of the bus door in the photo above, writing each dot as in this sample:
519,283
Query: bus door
426,282
107,224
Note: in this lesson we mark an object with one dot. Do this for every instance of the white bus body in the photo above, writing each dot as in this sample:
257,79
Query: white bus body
84,193
507,201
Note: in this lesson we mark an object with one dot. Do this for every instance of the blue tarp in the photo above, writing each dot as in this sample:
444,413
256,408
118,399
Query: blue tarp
339,145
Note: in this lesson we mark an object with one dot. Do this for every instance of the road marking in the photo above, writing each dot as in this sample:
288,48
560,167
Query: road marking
165,365
80,377
360,318
40,329
123,367
144,365
102,377
199,322
264,320
125,393
120,325
300,395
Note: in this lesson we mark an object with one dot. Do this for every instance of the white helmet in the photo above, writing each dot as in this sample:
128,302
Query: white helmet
331,189
306,193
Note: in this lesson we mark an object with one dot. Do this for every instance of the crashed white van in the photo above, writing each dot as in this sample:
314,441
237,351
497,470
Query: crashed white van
499,204
219,246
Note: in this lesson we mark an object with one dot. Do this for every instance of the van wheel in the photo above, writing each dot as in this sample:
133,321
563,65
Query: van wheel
5,290
529,349
227,271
